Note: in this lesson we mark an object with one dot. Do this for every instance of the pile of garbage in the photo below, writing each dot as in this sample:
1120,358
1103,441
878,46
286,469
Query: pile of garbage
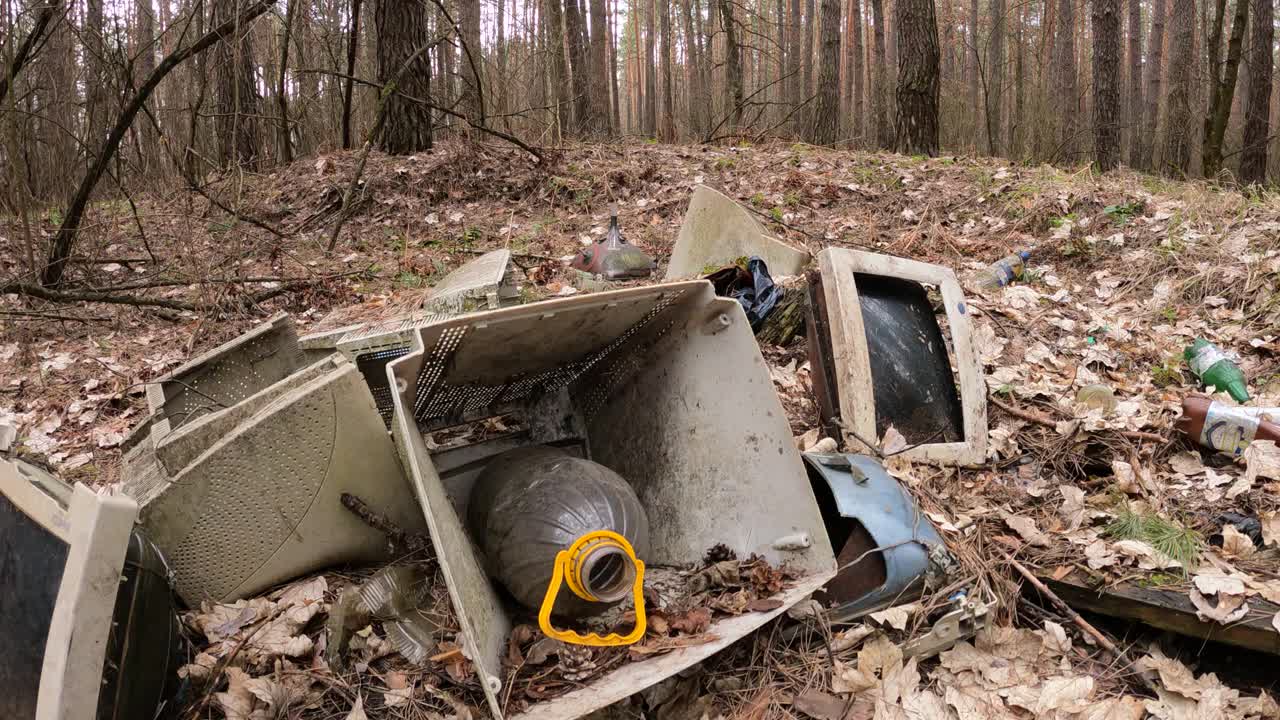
482,507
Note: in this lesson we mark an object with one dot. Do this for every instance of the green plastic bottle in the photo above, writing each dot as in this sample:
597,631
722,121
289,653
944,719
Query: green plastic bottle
1215,369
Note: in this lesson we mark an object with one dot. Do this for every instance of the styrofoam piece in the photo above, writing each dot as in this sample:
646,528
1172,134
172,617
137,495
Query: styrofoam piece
476,284
716,231
261,505
853,365
673,394
224,375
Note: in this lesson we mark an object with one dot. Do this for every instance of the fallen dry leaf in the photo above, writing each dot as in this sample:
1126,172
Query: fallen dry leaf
236,702
1228,609
1213,582
1187,463
1098,555
1055,638
398,691
1270,527
1262,459
896,617
357,710
694,622
1148,557
1073,509
1236,544
1026,528
819,705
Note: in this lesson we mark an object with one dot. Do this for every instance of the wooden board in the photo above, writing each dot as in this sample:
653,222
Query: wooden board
1170,610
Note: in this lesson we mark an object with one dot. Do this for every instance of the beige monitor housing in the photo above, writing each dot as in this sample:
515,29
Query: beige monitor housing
837,267
663,384
96,529
248,496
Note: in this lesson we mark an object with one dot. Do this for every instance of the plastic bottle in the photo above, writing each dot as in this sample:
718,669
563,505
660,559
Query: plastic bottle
1227,428
612,257
1216,370
1003,271
529,504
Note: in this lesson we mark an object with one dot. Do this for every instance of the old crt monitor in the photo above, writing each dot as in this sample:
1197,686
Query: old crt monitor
87,614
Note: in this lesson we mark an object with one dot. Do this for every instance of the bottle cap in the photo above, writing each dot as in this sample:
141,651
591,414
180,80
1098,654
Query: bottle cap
1024,254
1238,391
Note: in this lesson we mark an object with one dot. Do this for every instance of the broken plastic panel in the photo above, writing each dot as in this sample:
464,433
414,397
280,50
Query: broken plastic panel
880,358
87,614
717,231
225,375
666,386
258,501
886,549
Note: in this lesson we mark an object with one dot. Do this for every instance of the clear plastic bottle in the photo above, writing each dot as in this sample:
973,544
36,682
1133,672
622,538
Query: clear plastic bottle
1004,271
531,503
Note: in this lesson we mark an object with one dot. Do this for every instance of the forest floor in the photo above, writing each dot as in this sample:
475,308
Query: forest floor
1126,270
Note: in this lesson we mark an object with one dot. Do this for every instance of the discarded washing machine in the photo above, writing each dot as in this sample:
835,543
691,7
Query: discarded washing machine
663,385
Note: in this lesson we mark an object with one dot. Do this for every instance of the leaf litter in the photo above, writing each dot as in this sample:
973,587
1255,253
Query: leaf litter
1099,307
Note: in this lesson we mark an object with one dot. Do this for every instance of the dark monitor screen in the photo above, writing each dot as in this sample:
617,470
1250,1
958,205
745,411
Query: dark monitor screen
32,560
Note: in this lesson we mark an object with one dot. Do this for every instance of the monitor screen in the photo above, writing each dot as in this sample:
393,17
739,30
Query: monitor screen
32,560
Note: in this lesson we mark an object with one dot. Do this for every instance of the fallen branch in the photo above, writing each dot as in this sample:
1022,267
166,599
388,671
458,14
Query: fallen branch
398,536
43,293
1083,624
1046,421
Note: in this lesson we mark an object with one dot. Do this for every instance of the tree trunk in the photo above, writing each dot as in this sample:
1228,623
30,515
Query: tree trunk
826,113
1106,83
283,139
1177,155
236,94
650,66
1018,128
975,71
144,64
353,45
793,59
402,29
470,61
616,115
1067,104
578,66
693,64
806,58
879,89
668,104
598,74
1144,147
553,22
1253,160
917,92
995,78
1133,106
733,90
1222,89
96,77
447,54
858,70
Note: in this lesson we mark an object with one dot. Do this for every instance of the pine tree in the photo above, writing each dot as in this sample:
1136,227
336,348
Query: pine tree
1106,83
1253,160
917,92
403,34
